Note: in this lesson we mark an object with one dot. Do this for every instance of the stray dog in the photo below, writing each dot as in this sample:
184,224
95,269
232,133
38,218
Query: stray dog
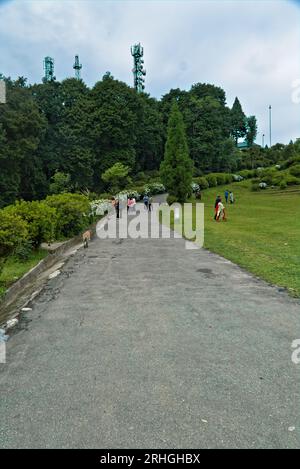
86,238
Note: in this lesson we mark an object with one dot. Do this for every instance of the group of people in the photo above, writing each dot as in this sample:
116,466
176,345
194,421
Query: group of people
131,203
230,195
220,212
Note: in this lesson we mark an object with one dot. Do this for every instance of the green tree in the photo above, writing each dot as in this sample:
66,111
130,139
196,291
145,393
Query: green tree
22,127
13,231
114,119
176,169
251,130
116,176
150,135
61,182
238,121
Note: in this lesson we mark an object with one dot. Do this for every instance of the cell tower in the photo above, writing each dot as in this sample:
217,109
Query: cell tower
137,52
77,67
49,69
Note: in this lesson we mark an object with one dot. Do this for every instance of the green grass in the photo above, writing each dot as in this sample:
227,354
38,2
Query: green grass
262,233
14,268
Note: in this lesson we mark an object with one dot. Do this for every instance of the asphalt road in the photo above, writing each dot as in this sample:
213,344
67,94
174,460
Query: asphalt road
142,343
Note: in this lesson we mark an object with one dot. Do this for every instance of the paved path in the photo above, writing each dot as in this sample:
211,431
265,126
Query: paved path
142,343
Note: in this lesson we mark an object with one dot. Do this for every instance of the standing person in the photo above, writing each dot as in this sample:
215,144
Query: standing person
146,201
220,215
128,203
150,203
218,199
117,207
198,195
231,197
226,195
132,204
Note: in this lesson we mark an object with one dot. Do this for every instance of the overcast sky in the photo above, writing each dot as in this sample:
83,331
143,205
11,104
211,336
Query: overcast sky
251,48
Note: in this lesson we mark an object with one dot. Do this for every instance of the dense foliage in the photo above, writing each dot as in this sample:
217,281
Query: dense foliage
63,136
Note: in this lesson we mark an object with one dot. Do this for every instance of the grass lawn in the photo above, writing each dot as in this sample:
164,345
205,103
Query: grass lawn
262,233
14,268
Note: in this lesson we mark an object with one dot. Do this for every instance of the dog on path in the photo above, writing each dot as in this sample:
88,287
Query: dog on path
86,238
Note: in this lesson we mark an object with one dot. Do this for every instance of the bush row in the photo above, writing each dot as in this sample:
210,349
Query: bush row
276,177
26,225
216,179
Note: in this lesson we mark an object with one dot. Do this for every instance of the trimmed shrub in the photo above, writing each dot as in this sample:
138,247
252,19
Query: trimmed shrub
221,178
73,212
13,232
295,170
283,184
290,162
202,181
269,176
255,186
228,178
212,180
292,180
40,217
248,173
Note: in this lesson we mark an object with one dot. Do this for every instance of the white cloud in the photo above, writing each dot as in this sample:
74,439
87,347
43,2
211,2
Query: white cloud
249,48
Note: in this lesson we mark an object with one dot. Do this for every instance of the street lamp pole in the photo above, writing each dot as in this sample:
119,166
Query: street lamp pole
263,140
270,124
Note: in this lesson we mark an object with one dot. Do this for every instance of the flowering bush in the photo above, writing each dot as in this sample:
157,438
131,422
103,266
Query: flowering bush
100,206
195,187
237,177
154,188
123,195
72,211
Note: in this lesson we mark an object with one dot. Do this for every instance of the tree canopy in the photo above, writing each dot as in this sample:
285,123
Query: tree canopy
69,129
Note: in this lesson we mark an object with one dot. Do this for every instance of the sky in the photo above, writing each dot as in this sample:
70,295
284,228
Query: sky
251,48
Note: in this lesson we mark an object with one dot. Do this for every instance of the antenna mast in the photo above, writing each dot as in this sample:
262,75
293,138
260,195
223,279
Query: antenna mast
137,53
77,67
49,69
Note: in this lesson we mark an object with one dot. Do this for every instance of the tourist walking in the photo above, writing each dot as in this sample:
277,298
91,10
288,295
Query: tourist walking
226,195
218,199
231,198
146,201
116,205
220,211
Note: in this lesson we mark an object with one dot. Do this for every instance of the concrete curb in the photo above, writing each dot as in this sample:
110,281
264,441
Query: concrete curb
28,286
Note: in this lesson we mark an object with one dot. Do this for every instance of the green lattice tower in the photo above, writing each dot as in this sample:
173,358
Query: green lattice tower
137,52
49,69
77,67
